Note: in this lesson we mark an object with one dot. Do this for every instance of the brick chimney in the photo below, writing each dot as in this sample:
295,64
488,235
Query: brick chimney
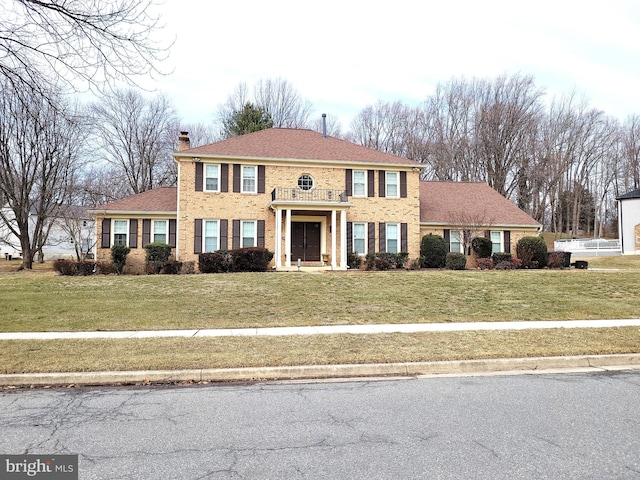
183,141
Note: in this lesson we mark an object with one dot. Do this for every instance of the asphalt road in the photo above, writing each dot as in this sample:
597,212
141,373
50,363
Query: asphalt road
548,426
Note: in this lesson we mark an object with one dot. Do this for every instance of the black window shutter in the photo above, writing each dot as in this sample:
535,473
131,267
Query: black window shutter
447,238
133,233
224,177
371,183
404,241
106,233
371,237
507,241
235,241
224,234
260,239
349,237
172,232
261,178
487,234
382,236
197,235
381,183
146,231
199,176
348,182
236,177
403,184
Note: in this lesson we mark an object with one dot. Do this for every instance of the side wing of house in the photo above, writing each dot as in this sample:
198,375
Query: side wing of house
629,223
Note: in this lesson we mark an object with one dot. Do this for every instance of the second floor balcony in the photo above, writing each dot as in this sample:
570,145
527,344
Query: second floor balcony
316,195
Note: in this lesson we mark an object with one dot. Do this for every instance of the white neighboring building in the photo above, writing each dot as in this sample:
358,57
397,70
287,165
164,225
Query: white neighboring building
75,229
629,222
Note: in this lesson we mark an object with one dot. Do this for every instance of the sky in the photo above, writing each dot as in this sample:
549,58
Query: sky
345,55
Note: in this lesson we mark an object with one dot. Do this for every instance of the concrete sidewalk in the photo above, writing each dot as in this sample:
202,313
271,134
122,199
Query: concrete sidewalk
327,329
503,366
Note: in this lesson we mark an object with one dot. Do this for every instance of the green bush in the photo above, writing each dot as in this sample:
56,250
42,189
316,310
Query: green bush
171,267
455,261
433,251
105,268
500,257
119,256
382,263
215,262
532,251
157,254
254,259
396,260
354,260
482,247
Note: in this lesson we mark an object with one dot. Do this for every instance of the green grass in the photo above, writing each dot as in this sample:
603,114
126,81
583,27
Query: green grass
41,302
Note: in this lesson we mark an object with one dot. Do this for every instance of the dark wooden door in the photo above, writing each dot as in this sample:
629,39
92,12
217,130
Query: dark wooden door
305,241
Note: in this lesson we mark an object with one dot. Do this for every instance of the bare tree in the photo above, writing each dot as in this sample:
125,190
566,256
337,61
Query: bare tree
39,146
98,42
277,97
383,126
136,138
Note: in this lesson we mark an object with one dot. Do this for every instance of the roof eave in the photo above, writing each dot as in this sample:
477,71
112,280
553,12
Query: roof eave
100,212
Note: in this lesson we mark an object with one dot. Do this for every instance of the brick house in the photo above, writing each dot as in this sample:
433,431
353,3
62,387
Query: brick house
306,197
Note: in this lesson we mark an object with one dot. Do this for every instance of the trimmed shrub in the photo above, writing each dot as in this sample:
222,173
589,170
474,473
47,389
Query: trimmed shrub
415,264
556,260
104,268
484,263
85,268
382,263
512,264
455,261
482,247
171,267
253,259
532,251
433,251
188,268
65,267
354,260
157,254
215,262
396,260
119,256
370,261
500,257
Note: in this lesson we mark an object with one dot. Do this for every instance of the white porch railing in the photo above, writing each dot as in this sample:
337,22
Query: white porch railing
588,246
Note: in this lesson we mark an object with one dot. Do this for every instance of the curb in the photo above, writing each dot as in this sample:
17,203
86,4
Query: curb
505,366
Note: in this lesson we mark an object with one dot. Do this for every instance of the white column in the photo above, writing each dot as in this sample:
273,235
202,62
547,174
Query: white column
343,239
287,240
334,236
278,243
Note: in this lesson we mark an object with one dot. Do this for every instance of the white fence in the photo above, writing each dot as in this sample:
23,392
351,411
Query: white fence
588,247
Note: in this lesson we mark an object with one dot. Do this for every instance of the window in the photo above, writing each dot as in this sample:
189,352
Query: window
212,178
249,175
393,237
305,182
359,183
360,238
455,242
496,241
248,232
211,236
160,231
120,228
391,185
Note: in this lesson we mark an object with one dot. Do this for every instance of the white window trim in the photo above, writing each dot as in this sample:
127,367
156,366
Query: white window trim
113,230
398,238
153,229
204,234
397,184
204,180
364,182
460,234
255,233
255,179
353,236
501,233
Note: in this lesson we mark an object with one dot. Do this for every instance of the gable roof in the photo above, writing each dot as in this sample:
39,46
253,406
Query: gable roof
468,202
632,194
294,144
161,199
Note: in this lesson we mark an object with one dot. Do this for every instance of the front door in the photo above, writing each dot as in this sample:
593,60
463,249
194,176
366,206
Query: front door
305,241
